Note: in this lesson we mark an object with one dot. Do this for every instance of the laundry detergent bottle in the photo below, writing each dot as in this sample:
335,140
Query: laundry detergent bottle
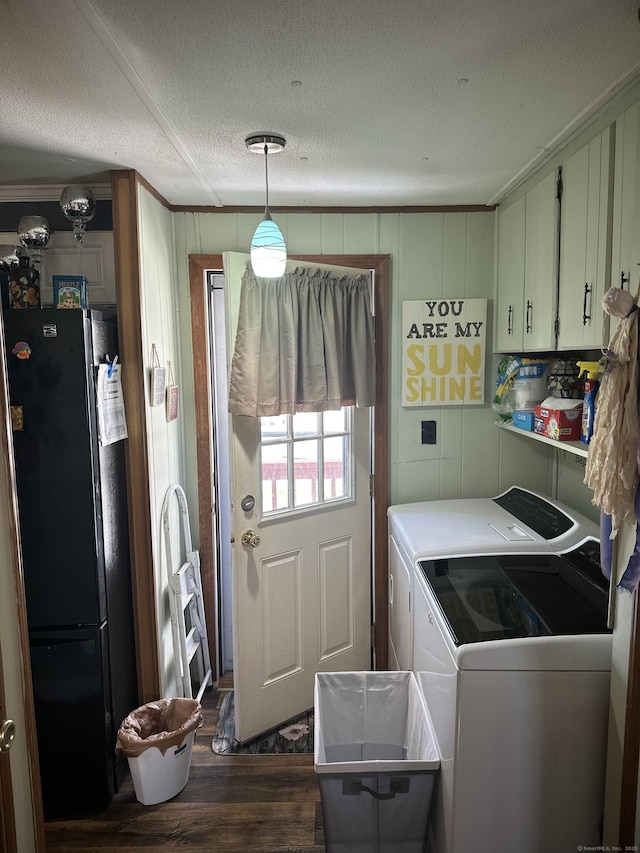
593,369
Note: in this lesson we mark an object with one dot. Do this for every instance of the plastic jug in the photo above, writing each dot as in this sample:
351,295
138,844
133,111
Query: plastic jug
593,369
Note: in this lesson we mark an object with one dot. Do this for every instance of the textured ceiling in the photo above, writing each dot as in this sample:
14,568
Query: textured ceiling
401,102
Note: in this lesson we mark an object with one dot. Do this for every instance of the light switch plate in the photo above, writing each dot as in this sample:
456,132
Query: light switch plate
428,432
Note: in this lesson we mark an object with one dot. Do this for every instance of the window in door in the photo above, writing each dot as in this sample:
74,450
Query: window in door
305,460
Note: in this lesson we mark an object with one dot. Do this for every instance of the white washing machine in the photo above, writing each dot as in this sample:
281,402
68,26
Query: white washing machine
499,606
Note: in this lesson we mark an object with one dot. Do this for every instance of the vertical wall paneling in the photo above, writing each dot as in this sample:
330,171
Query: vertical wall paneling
524,463
452,441
454,269
480,450
479,258
184,320
360,233
332,234
454,262
216,233
420,258
570,485
166,440
304,232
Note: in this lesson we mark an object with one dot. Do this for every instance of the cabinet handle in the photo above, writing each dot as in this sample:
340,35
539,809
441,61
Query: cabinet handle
528,324
510,320
585,316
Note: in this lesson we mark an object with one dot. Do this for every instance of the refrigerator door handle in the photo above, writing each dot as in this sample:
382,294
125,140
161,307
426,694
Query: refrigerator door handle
62,648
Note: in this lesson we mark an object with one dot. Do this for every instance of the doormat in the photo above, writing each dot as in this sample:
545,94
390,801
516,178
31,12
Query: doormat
295,735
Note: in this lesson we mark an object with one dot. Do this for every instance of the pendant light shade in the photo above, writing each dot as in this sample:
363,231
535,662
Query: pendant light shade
268,250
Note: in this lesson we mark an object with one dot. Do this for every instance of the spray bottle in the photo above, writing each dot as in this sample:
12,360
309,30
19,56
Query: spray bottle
593,369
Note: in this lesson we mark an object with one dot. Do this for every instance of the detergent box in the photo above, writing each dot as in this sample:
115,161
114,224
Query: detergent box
523,420
558,419
69,291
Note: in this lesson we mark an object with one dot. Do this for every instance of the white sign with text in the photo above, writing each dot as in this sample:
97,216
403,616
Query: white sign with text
444,343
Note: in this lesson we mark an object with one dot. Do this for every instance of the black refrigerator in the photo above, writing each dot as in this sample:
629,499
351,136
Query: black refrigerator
74,533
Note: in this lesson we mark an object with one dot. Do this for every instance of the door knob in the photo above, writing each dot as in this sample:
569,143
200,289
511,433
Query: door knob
7,735
250,538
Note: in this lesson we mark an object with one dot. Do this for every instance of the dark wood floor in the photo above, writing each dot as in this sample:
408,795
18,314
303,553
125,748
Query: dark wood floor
263,803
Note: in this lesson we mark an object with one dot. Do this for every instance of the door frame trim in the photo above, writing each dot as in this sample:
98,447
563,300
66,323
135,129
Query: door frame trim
124,194
381,265
8,841
6,806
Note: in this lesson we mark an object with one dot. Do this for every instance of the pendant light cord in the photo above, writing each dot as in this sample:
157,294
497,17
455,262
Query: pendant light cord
266,176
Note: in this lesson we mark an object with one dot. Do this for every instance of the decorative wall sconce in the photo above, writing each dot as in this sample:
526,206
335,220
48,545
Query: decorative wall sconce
268,250
79,206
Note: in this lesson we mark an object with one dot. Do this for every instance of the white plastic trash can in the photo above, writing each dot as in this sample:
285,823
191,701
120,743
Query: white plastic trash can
157,777
157,739
377,762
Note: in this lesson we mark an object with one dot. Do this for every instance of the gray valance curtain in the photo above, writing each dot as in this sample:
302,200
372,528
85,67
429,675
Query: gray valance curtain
304,343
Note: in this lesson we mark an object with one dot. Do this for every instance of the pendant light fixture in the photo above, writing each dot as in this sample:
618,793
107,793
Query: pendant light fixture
268,251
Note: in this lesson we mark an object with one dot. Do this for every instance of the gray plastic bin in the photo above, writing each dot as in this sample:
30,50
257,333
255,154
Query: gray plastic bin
377,760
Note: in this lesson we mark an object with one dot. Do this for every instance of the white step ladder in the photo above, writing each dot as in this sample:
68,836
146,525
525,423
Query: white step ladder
188,625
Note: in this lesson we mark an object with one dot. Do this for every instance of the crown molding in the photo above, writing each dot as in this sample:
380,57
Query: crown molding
48,192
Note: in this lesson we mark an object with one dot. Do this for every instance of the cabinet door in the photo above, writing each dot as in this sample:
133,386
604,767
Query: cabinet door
625,242
510,290
541,265
585,236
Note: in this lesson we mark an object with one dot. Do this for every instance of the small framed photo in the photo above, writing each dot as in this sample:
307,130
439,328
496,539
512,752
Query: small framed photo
173,393
158,385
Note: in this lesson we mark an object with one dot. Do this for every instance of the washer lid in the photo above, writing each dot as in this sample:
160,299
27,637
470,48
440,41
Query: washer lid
465,526
513,596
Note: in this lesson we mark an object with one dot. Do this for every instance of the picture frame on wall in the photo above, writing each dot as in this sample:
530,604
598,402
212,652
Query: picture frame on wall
158,385
173,396
158,376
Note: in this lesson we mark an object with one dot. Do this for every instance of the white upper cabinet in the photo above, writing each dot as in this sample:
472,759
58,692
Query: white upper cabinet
527,270
510,294
625,241
541,265
585,244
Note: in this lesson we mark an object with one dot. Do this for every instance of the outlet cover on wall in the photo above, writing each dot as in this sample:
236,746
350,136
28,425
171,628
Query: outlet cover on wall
428,432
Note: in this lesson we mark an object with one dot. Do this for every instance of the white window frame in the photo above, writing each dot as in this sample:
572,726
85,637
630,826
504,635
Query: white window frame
291,440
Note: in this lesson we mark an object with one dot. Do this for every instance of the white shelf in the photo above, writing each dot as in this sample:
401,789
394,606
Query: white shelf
576,447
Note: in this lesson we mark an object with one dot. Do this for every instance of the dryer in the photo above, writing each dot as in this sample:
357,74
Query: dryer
499,607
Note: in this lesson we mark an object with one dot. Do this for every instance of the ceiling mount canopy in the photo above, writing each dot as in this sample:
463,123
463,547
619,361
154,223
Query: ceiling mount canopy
256,142
268,250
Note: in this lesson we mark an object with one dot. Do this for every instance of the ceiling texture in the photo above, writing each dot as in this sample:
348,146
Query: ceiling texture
383,103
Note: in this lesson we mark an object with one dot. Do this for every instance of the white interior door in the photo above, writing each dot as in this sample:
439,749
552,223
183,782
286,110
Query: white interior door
302,575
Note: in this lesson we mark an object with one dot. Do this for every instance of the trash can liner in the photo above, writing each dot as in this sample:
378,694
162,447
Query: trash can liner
162,724
370,722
